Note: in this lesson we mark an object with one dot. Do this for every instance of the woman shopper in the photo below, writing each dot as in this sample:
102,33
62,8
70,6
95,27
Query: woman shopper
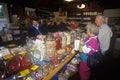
89,46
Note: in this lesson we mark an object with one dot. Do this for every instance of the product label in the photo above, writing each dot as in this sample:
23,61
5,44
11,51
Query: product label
7,56
35,67
24,72
28,78
22,52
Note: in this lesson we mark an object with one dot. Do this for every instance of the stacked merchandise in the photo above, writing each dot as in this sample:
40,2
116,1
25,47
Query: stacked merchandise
36,58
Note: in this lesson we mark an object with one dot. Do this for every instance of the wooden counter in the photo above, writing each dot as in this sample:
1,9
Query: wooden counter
59,67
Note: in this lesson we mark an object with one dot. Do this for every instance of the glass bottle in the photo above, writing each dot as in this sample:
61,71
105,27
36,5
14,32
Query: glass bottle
64,39
68,39
50,45
58,42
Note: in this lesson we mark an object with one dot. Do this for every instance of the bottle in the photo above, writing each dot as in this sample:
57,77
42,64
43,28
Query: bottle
50,45
58,42
64,39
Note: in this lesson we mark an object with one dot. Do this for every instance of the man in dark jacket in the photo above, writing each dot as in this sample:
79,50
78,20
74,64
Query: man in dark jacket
35,27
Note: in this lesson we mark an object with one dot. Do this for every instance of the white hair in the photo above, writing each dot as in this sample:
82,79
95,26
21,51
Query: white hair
92,28
101,17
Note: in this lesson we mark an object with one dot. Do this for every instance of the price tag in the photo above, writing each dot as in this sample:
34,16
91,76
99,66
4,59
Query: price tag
35,67
32,48
7,56
24,72
28,78
22,52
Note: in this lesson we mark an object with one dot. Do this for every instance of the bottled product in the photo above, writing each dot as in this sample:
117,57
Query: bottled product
68,36
64,39
50,45
58,42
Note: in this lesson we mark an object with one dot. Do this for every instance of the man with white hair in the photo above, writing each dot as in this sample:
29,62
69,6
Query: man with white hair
104,36
105,33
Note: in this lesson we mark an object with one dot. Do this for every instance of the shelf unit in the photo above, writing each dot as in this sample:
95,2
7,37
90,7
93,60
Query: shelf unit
16,33
83,17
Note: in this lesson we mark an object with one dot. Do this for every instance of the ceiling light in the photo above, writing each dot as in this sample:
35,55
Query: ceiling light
68,0
81,7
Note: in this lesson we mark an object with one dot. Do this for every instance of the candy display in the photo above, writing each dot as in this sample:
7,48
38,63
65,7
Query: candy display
37,58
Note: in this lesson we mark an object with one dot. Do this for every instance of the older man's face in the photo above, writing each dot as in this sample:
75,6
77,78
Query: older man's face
98,21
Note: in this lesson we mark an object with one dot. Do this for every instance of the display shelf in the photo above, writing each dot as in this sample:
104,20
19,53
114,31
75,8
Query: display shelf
59,67
16,33
83,17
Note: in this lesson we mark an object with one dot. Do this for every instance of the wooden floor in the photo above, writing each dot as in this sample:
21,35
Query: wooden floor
110,71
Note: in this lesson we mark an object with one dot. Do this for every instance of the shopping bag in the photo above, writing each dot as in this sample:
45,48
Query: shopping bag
95,60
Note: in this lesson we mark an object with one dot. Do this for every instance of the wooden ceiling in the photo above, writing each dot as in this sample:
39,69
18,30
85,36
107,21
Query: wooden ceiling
56,4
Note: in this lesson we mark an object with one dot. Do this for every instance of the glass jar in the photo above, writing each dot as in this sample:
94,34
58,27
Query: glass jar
39,74
54,60
12,66
58,42
35,56
68,36
64,39
40,45
50,45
